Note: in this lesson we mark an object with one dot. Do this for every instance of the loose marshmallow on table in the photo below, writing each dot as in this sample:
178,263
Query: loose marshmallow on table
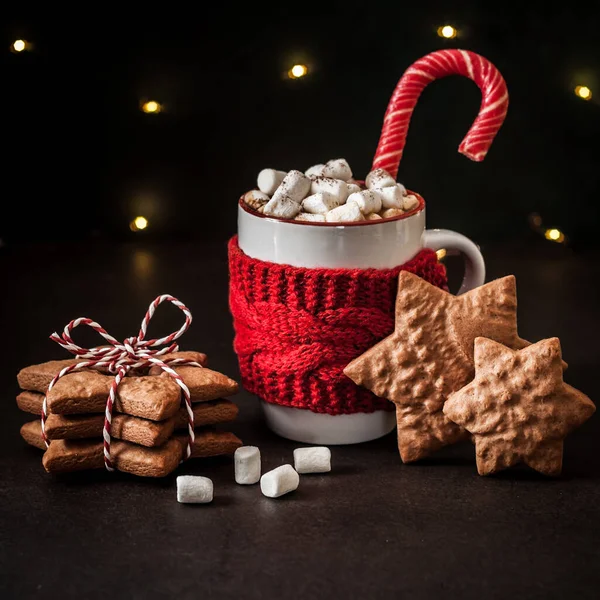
314,171
279,481
256,200
379,178
369,201
192,489
312,460
391,197
295,185
352,188
328,185
410,202
345,213
310,217
281,206
338,169
320,203
246,462
269,180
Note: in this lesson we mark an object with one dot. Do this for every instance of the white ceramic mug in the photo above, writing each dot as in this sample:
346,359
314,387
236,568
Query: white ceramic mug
381,244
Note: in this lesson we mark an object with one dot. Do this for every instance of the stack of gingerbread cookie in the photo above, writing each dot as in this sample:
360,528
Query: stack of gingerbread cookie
149,423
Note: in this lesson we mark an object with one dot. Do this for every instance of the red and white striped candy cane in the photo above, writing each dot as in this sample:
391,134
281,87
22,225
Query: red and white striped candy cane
119,358
494,104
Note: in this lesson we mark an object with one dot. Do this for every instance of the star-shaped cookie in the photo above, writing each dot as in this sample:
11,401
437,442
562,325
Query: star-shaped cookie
430,355
518,407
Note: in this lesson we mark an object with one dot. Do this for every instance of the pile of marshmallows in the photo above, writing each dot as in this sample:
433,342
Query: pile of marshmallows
275,483
328,193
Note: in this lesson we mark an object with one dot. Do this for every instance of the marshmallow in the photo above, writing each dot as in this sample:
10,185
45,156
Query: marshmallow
379,178
246,461
328,185
269,180
194,489
369,201
279,481
312,460
391,212
309,217
372,217
295,185
256,199
338,169
345,213
281,206
410,202
352,188
402,188
391,197
314,171
319,204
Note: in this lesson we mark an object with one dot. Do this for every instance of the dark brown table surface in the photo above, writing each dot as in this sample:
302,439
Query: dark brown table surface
372,528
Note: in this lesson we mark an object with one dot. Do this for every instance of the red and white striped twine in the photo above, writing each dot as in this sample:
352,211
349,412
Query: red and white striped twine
118,358
494,104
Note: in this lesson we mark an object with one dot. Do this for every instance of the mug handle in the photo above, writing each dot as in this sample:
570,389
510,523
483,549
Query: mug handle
450,240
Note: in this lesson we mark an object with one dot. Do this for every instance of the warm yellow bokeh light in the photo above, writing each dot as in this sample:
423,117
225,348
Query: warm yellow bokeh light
441,253
447,31
583,92
297,71
555,235
151,107
138,224
141,222
19,45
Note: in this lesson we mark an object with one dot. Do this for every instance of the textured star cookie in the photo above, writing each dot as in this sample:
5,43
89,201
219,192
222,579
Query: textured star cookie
430,355
518,407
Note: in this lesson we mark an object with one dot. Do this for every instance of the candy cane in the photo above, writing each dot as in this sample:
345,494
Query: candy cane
494,104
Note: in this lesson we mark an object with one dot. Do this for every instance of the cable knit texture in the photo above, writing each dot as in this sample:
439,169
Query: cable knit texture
296,329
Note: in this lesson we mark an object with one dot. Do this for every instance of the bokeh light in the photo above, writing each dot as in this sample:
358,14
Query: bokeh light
19,45
583,92
447,31
298,71
151,107
555,235
138,224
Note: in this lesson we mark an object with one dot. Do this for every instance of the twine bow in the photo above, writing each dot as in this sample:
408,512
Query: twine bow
118,358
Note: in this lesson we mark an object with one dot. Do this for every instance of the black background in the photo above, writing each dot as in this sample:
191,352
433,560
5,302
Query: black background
82,160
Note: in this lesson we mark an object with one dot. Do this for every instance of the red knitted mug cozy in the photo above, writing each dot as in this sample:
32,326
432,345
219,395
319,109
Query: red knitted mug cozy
296,329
